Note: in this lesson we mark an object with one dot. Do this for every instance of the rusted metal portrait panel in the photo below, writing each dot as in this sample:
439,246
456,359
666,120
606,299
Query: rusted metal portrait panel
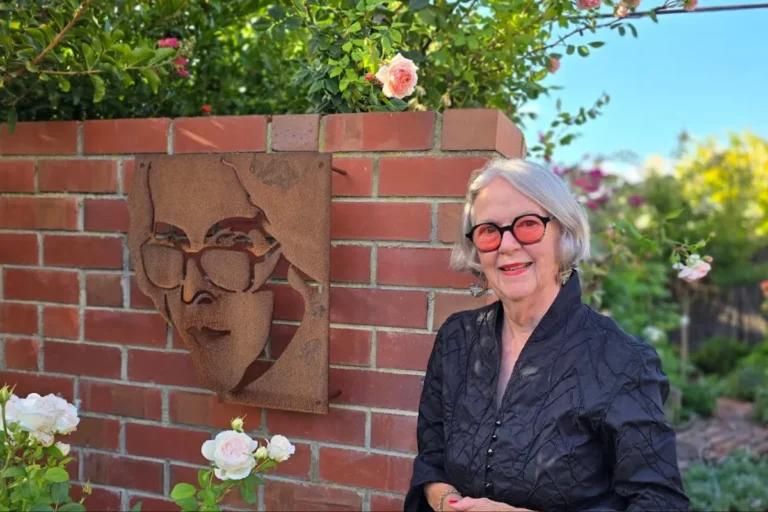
207,231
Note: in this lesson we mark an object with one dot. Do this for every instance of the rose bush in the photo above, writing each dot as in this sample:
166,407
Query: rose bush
34,475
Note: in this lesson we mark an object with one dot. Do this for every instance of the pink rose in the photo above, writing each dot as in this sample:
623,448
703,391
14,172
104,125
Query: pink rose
168,42
181,61
588,4
369,77
636,201
182,72
633,3
593,205
764,287
621,10
690,5
554,65
399,78
232,453
694,269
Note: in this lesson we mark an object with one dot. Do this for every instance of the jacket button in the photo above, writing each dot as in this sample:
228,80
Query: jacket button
490,451
488,486
494,437
498,423
487,468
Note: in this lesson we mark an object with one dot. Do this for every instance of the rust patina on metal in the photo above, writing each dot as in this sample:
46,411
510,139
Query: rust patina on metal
206,233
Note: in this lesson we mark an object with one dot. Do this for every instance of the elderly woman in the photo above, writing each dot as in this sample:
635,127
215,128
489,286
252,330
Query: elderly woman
536,401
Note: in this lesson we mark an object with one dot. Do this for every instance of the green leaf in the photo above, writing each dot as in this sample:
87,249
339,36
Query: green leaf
49,33
417,5
347,46
633,29
570,49
316,86
396,36
122,48
355,27
90,56
136,507
152,78
15,470
182,491
343,85
7,43
98,88
652,14
208,496
674,214
162,54
57,474
71,507
583,51
60,492
42,507
622,30
204,477
37,35
189,503
336,72
596,44
141,54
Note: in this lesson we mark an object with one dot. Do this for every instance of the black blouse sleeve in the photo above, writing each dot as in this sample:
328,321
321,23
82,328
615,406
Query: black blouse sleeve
638,441
428,465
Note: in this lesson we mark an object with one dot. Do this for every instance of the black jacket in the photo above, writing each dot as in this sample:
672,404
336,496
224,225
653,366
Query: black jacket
581,425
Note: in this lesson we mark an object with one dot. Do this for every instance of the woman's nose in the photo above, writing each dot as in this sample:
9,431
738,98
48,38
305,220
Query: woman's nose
508,243
193,283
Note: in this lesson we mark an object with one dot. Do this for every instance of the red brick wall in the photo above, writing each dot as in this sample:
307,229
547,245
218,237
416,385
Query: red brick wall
72,320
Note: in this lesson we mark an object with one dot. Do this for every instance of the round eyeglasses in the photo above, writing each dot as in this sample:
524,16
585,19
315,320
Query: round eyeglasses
527,229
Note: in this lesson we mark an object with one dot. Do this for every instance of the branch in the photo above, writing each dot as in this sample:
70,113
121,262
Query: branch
56,41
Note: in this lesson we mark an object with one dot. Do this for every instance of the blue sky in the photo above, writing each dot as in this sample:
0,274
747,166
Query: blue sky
705,73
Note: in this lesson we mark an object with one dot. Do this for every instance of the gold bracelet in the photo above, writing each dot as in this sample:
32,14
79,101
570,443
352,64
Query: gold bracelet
444,495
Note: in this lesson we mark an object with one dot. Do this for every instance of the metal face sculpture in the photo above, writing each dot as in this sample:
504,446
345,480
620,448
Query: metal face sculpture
206,233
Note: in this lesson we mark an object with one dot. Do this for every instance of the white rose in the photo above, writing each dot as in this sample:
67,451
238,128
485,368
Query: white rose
42,417
280,448
232,452
63,448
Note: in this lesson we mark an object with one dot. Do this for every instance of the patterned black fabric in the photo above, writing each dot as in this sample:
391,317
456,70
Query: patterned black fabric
581,424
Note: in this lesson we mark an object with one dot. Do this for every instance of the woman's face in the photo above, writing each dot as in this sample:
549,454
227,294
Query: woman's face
514,271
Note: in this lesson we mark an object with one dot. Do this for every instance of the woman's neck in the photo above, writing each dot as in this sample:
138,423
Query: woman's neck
521,317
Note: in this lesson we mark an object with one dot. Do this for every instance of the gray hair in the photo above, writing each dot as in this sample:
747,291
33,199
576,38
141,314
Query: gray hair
542,186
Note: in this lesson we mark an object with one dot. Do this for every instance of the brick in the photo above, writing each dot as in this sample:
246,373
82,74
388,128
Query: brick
21,353
403,350
61,322
359,469
18,249
165,442
40,383
125,327
18,318
139,300
42,285
299,464
99,433
101,499
375,389
39,138
346,346
381,221
447,304
219,134
340,426
109,215
126,136
349,263
104,290
95,176
296,132
188,474
449,221
427,176
394,432
83,251
129,169
117,471
279,495
17,176
171,368
390,308
206,410
38,213
359,178
379,131
152,504
81,359
418,267
386,503
121,399
481,129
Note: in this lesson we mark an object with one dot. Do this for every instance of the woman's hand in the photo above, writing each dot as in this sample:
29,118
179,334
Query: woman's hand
483,505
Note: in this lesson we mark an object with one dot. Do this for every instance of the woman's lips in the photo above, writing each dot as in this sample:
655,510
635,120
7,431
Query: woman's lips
515,269
207,335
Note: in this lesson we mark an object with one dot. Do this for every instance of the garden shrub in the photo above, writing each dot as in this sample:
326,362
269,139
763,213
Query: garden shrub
719,355
739,483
